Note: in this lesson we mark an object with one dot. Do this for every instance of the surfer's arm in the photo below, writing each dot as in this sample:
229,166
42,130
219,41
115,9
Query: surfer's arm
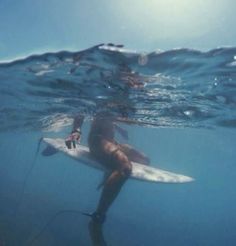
78,122
127,121
121,131
135,122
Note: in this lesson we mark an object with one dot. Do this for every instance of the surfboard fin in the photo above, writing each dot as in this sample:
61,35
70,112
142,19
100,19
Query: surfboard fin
49,151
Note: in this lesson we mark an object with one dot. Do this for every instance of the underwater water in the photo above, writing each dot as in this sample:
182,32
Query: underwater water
183,105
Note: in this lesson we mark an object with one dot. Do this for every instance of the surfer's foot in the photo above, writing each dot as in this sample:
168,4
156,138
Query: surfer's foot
98,218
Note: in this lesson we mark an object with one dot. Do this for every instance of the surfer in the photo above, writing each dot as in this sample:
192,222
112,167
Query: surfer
116,157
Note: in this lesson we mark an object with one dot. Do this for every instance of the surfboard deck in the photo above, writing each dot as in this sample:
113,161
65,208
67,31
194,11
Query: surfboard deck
139,171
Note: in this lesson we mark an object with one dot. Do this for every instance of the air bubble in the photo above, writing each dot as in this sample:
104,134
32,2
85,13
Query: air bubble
189,113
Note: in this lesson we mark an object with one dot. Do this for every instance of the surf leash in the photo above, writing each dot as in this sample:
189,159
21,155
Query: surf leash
27,176
51,220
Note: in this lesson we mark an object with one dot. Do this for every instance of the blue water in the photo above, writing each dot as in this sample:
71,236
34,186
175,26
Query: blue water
183,102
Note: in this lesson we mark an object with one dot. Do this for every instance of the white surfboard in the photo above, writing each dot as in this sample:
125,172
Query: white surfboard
139,171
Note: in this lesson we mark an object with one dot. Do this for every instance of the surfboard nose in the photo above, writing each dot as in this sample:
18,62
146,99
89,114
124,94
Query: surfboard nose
187,179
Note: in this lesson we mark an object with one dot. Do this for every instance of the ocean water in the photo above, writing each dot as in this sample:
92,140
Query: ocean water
182,103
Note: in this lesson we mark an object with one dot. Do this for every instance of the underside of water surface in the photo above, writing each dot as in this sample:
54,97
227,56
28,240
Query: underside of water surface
175,88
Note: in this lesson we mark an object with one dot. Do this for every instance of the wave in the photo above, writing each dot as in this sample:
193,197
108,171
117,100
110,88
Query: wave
175,88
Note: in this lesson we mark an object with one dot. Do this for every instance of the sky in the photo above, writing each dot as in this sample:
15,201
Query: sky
38,26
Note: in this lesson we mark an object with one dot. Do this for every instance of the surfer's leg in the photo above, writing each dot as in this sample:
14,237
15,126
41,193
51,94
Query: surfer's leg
96,234
115,181
134,155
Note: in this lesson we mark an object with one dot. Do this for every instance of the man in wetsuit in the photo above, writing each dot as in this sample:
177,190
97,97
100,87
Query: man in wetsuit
114,156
